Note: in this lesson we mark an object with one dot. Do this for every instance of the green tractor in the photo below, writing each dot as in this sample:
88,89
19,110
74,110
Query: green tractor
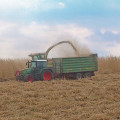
41,68
36,70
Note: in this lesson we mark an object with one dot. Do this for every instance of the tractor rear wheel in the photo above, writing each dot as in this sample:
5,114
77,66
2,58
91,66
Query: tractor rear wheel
47,75
28,78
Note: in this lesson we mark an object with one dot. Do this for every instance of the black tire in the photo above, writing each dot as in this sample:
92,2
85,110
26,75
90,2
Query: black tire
28,78
19,78
47,75
79,76
87,75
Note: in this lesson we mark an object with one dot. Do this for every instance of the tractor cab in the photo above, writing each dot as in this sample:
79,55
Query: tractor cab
37,64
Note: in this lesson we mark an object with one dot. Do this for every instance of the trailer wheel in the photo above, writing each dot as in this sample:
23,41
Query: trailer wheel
47,75
79,76
87,75
28,78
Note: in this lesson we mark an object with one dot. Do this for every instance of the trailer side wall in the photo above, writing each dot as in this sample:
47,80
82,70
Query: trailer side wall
75,64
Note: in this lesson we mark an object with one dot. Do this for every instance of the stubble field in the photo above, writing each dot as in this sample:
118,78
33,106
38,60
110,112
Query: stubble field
97,98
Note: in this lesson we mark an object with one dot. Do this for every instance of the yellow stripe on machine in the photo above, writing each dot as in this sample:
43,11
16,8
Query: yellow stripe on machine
88,68
69,69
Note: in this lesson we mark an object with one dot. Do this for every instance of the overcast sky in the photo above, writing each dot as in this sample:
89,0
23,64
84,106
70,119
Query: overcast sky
28,26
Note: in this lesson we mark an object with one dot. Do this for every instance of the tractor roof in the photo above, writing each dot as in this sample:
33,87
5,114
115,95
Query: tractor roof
35,54
38,60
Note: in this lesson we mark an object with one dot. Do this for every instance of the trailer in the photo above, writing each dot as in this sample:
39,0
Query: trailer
76,67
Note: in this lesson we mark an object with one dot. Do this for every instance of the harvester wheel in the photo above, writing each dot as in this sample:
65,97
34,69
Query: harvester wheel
28,78
47,75
79,76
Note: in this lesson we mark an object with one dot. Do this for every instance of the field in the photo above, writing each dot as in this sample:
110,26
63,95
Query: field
97,98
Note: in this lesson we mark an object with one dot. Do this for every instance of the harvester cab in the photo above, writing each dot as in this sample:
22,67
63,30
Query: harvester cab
38,56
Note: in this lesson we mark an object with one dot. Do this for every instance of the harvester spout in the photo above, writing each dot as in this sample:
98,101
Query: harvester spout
77,53
45,55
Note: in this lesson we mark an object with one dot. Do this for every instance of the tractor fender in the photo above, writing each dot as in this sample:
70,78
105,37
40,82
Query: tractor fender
50,69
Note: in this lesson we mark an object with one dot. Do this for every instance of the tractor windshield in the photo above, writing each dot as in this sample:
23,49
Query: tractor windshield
41,64
38,63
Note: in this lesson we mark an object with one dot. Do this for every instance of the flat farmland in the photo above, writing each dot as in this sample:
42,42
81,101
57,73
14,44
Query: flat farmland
97,98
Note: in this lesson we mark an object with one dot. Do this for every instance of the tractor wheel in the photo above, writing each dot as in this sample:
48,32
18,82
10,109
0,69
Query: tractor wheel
28,78
87,75
47,75
79,76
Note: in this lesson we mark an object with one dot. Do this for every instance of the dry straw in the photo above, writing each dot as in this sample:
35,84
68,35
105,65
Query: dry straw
9,66
109,64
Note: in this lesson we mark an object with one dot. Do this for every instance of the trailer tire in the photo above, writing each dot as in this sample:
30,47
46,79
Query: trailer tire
87,75
79,76
47,75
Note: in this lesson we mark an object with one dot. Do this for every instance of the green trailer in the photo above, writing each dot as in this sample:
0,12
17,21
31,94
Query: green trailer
74,67
78,67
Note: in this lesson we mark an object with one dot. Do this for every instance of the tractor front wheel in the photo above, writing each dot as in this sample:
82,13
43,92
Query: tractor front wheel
28,78
47,75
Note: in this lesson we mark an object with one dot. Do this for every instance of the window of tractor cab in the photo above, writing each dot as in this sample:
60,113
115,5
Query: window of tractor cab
33,64
41,64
